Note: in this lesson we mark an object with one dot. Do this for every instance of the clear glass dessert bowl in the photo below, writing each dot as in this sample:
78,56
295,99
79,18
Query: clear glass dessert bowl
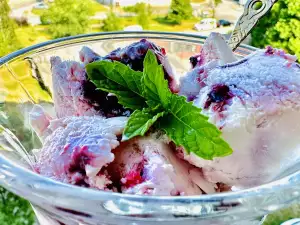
25,79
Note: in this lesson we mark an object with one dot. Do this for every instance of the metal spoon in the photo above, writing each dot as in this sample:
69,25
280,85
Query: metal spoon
248,20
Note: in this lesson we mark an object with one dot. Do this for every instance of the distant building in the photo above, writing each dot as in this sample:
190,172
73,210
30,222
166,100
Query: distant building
133,2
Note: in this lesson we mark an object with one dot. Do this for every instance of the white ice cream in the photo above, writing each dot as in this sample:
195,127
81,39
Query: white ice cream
214,52
255,102
78,148
157,170
68,96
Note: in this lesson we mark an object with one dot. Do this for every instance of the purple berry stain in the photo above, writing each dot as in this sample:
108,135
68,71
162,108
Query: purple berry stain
269,50
80,158
219,94
191,98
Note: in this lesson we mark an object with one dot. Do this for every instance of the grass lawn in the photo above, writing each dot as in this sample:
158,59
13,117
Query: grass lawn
162,24
38,12
96,7
198,1
28,35
283,215
156,24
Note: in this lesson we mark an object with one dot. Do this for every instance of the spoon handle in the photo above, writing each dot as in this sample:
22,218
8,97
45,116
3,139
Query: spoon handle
248,20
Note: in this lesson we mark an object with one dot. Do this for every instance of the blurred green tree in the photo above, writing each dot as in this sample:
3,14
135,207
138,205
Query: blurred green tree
180,10
280,28
143,11
8,37
67,17
112,22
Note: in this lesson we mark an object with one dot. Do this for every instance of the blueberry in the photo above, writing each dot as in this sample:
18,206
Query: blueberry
220,93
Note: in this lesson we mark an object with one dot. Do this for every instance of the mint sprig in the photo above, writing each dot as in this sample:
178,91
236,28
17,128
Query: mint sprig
148,94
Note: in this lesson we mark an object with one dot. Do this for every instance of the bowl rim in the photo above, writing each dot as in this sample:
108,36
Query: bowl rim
15,54
42,183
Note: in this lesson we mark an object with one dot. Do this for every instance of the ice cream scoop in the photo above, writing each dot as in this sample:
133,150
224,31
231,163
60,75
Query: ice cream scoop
148,166
255,102
214,51
75,95
78,149
68,94
85,151
214,48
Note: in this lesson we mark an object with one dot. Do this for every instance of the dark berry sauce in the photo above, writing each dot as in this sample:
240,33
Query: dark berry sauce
80,158
100,100
269,50
194,61
133,56
191,98
220,94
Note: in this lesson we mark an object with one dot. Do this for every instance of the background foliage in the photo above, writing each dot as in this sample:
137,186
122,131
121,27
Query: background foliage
280,28
180,10
143,12
112,22
8,37
67,17
14,210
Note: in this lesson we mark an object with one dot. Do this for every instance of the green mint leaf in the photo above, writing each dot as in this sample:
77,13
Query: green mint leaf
119,79
140,121
155,86
188,128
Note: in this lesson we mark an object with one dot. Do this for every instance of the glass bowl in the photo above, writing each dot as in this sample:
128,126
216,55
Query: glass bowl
25,79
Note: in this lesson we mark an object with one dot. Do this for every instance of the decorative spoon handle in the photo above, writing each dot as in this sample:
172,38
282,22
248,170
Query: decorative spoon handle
248,20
